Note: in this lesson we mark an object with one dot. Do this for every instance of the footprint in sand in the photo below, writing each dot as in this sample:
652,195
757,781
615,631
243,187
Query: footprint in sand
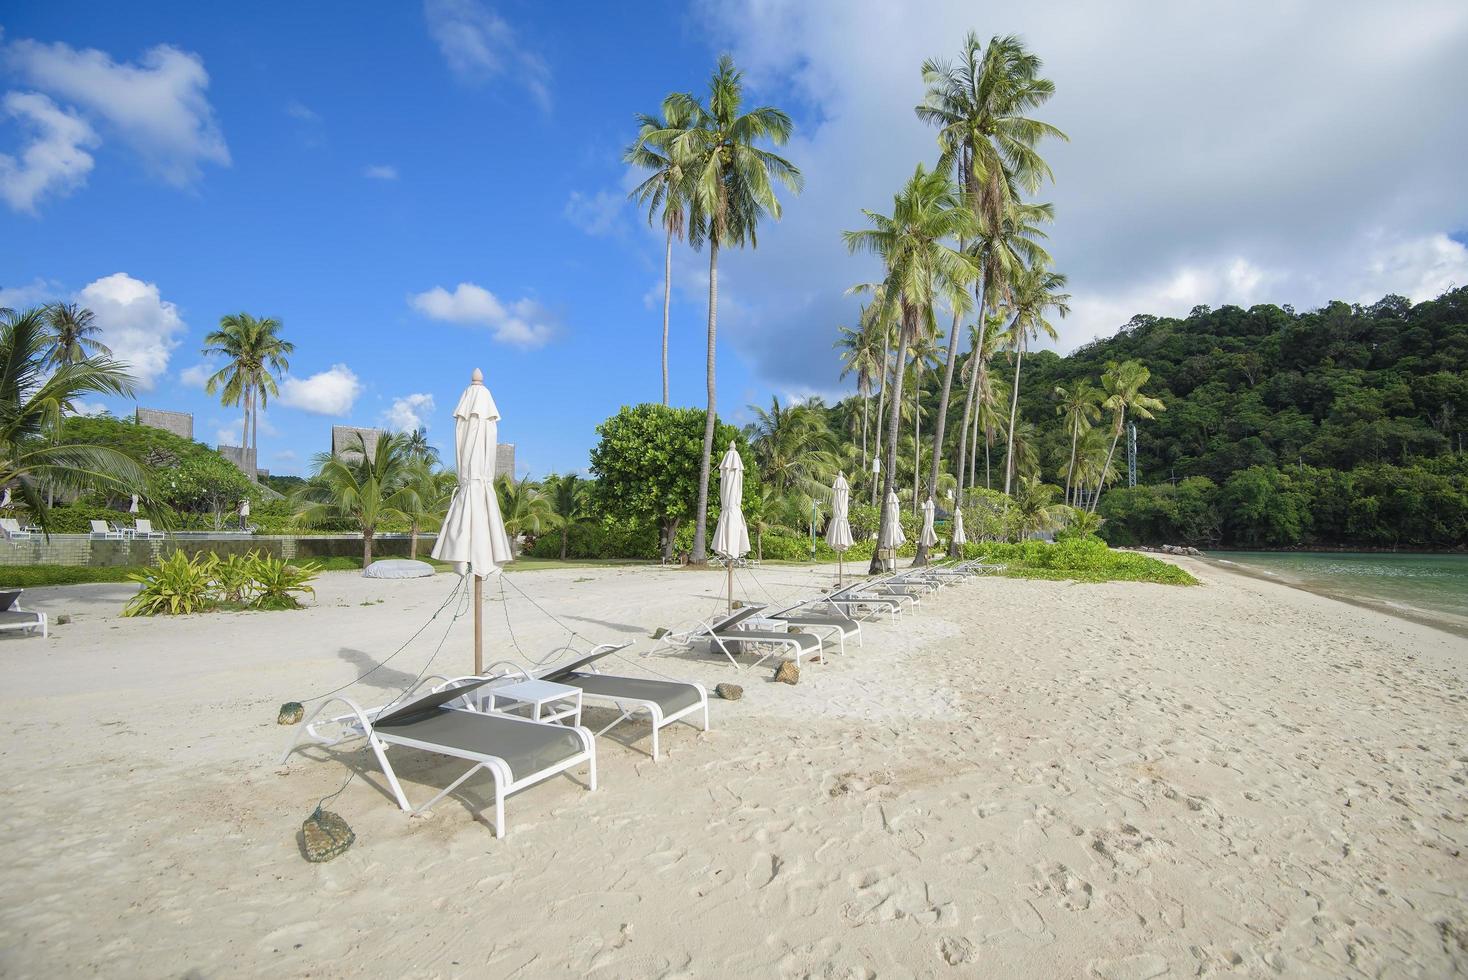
1071,892
884,897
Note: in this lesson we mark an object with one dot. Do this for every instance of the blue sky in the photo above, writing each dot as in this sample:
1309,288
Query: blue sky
335,171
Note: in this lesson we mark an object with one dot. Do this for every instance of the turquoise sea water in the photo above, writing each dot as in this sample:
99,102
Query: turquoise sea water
1421,583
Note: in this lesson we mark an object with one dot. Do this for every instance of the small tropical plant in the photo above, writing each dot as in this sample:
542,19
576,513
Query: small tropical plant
277,582
176,586
234,577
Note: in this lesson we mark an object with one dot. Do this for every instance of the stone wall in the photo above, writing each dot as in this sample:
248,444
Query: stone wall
179,423
504,460
243,458
83,549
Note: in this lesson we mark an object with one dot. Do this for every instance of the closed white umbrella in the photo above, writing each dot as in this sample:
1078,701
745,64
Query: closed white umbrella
133,507
928,537
473,534
731,536
838,530
959,538
890,536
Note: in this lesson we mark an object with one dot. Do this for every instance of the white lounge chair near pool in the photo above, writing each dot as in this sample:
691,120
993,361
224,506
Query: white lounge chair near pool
516,752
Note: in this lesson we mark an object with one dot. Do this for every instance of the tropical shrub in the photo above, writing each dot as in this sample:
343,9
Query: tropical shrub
180,584
1080,559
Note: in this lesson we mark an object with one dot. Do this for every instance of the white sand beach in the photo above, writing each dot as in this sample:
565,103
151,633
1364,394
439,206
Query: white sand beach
1033,779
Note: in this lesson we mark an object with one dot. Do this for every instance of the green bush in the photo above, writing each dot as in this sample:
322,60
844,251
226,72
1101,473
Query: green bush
37,576
1080,559
179,585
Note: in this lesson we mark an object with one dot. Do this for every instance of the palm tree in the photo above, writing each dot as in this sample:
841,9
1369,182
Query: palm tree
1080,406
426,496
922,357
978,385
1123,385
666,191
1034,508
420,448
862,351
35,394
256,356
74,333
525,508
1036,292
731,190
920,266
1023,441
793,448
988,420
365,487
979,105
1093,465
570,498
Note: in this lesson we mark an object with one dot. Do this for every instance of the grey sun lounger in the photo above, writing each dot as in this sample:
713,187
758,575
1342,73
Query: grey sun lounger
516,752
727,636
836,623
13,617
664,701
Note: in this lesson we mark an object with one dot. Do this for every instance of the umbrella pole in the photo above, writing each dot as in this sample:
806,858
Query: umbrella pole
478,625
730,565
840,567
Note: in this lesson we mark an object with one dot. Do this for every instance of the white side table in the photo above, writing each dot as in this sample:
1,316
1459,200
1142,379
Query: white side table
547,701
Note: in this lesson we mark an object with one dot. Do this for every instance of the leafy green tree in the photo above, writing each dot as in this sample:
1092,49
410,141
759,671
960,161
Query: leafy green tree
863,352
571,499
426,495
1036,291
733,180
34,396
256,355
366,488
647,466
1123,386
525,508
1080,407
792,446
205,483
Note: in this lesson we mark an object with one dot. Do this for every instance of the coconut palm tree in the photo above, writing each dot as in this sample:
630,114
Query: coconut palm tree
732,187
365,487
420,448
979,386
921,358
255,356
1093,466
74,334
794,449
666,190
525,507
1036,291
862,351
426,497
35,394
1034,507
979,105
570,498
1080,406
920,266
1123,385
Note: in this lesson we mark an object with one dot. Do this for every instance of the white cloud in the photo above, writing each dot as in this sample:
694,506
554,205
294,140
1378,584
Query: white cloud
381,171
479,45
88,408
521,323
157,105
299,110
595,214
409,412
197,375
137,323
33,293
1184,181
329,392
55,161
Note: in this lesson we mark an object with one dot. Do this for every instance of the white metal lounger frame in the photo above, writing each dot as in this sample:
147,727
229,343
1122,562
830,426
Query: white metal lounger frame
358,721
39,623
629,706
832,631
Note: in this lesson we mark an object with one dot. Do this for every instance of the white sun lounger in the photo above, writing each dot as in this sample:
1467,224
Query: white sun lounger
13,531
13,617
516,752
729,636
143,528
102,531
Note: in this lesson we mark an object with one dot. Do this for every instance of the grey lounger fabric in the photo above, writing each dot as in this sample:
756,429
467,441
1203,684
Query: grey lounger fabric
526,747
670,696
807,641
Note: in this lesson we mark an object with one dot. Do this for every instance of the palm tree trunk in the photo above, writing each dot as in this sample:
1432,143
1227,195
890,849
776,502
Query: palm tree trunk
413,541
866,404
894,420
1013,415
973,452
565,533
667,303
1070,470
367,546
254,456
1100,483
881,405
917,434
988,483
941,424
700,530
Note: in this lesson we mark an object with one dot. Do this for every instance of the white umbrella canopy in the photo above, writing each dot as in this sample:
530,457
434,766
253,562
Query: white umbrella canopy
731,536
838,529
928,537
473,534
959,538
890,534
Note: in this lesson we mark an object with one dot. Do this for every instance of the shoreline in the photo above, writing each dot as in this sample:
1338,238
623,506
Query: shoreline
1445,622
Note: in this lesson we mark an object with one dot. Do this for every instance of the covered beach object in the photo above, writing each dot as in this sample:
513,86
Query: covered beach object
959,538
928,537
889,535
731,536
838,530
473,534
